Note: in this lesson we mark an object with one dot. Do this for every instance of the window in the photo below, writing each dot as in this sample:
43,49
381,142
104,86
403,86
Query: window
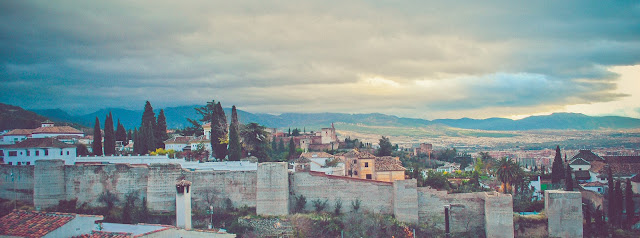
37,153
13,153
10,163
366,165
28,153
355,172
67,152
368,176
60,152
19,163
46,152
28,163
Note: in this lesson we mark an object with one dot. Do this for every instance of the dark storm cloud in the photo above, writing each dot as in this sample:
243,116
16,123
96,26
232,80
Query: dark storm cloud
318,55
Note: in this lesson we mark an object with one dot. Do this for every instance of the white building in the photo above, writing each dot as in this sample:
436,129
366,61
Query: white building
32,149
65,133
15,136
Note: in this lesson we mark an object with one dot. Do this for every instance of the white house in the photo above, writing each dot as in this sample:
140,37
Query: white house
32,149
15,136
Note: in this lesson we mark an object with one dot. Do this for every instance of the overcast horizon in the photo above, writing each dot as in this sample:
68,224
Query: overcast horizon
414,59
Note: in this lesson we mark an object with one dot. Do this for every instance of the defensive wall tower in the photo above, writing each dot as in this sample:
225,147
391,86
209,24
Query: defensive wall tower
49,183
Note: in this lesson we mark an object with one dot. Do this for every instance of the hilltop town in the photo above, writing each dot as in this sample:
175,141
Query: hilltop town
259,181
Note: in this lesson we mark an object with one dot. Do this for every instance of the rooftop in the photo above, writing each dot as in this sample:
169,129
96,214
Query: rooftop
388,163
40,143
32,223
587,155
310,155
19,132
579,161
56,130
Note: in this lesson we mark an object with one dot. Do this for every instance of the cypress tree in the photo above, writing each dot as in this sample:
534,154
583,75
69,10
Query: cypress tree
587,218
557,170
235,148
629,205
136,141
274,145
619,203
611,197
161,130
121,133
129,135
147,125
568,181
109,136
97,138
219,137
292,149
280,145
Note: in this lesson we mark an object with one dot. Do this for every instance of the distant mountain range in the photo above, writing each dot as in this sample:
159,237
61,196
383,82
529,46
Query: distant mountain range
177,118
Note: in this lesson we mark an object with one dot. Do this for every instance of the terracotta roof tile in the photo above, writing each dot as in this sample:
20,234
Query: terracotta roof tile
40,143
179,140
31,223
56,130
622,159
582,175
105,234
19,132
587,155
316,155
579,161
593,184
388,163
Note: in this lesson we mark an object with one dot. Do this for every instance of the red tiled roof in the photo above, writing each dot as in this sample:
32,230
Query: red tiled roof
618,169
622,159
105,234
636,178
587,155
388,163
56,130
31,223
40,143
19,132
357,154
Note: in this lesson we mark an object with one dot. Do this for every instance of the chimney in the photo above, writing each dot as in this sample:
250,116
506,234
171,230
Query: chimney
183,204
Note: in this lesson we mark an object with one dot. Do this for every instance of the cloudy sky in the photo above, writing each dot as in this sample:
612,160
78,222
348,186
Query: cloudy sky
418,59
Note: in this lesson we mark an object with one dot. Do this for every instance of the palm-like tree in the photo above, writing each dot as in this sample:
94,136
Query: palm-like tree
507,173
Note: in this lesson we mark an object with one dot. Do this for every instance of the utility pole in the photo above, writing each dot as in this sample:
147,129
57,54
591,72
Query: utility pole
15,192
447,232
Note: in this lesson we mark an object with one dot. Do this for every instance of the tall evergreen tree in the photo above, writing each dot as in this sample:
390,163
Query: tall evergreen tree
129,135
292,149
136,141
557,170
235,148
146,130
274,145
206,113
619,204
109,136
219,137
281,146
385,147
587,218
96,146
121,133
629,205
256,142
568,180
161,130
611,198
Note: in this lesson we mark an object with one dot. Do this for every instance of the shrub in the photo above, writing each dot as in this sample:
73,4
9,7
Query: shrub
320,205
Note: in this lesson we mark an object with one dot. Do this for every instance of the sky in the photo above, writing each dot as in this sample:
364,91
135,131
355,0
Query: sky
418,59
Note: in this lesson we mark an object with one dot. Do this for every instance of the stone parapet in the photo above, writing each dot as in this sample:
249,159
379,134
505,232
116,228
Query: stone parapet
564,213
498,215
405,200
272,197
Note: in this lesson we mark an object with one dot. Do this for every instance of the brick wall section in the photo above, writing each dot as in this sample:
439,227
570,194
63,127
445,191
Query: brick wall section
375,196
498,209
466,213
564,211
49,181
272,196
23,182
405,200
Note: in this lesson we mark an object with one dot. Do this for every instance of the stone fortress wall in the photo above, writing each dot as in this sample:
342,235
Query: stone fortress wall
271,189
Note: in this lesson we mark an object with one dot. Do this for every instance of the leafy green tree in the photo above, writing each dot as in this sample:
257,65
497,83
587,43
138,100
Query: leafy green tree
129,214
629,205
81,150
256,141
96,145
557,169
295,132
109,136
568,181
219,136
235,147
437,181
338,207
160,132
385,147
299,204
121,133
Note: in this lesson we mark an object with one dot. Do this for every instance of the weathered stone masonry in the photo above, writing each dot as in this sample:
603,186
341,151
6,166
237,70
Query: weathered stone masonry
271,190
